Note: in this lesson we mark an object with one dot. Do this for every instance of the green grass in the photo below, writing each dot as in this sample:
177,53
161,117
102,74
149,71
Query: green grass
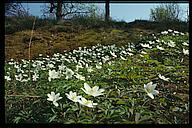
124,101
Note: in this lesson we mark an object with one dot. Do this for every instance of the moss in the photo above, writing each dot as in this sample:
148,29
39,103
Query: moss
46,42
116,31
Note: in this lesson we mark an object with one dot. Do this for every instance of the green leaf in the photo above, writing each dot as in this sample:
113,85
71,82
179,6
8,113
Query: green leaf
52,118
17,119
121,102
53,110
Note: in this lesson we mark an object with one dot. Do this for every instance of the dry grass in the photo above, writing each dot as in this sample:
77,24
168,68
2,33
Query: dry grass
47,43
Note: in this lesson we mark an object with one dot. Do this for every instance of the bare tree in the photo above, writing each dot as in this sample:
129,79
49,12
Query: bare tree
64,10
15,9
58,7
107,11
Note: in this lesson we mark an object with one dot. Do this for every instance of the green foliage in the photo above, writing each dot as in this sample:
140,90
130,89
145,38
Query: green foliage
124,101
166,12
14,23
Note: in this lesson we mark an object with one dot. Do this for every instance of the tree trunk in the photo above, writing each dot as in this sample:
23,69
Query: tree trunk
59,10
107,15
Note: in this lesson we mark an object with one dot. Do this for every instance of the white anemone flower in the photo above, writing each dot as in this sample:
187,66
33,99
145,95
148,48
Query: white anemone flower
122,58
25,80
86,102
110,71
104,59
98,66
176,32
150,89
79,65
169,30
185,43
124,52
8,78
130,54
19,77
171,43
89,69
53,75
160,48
69,73
143,52
151,42
113,54
73,96
50,65
35,77
146,46
95,91
185,52
54,98
129,49
163,77
109,62
80,77
164,32
62,67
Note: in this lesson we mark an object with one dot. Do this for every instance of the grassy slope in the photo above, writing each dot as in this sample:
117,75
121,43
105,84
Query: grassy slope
127,80
49,40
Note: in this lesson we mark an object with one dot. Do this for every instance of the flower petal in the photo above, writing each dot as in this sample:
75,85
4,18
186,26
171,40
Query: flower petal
85,91
155,92
52,94
87,87
101,90
55,103
49,99
150,95
152,87
95,88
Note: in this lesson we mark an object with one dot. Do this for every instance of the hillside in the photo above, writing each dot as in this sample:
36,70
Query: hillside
68,36
145,82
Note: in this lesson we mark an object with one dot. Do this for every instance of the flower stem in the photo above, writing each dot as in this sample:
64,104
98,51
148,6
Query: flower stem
145,102
30,42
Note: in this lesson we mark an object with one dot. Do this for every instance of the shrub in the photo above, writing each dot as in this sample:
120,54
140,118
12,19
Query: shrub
15,24
166,12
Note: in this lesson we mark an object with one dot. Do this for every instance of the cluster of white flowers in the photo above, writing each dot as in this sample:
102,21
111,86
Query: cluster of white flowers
95,91
91,59
73,97
173,32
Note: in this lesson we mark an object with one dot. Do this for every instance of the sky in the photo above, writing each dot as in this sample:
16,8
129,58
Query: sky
119,11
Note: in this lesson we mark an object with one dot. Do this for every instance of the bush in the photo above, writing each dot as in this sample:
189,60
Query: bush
166,12
159,26
15,24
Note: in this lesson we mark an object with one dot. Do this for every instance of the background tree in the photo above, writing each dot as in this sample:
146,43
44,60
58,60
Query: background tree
107,11
15,9
63,10
166,12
